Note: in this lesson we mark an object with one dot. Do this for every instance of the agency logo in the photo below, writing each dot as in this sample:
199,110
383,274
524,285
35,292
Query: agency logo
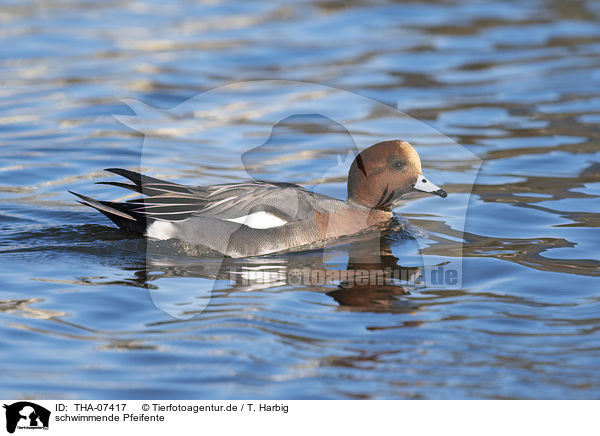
282,131
26,415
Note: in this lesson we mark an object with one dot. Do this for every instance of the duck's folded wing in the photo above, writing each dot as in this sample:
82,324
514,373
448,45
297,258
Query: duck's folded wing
272,203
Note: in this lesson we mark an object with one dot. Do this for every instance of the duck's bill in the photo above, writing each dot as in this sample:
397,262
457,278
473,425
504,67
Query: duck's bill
425,185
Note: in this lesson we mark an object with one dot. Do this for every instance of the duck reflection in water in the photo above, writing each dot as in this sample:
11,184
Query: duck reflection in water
371,279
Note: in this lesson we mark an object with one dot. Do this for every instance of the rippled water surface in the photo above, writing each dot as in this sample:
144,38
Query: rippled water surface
501,99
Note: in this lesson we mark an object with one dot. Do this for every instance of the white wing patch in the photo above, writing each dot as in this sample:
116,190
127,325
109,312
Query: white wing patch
259,220
161,230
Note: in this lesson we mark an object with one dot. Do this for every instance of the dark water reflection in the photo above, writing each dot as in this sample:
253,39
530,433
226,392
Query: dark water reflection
87,312
371,280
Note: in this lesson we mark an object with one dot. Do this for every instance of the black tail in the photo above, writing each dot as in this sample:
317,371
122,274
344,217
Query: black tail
122,214
144,184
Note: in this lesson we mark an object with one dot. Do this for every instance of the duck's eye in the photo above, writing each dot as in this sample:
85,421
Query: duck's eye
399,165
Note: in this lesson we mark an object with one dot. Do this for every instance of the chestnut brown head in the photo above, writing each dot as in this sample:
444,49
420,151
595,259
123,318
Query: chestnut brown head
384,172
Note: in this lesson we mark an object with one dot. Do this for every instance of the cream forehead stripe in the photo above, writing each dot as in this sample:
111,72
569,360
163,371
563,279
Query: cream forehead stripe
412,155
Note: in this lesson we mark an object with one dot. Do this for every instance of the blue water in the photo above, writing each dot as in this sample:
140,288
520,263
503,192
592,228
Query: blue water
501,99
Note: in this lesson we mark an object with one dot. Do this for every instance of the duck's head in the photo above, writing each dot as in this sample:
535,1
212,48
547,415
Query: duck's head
385,171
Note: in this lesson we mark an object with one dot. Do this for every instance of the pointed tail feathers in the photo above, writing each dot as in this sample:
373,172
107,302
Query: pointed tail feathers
119,213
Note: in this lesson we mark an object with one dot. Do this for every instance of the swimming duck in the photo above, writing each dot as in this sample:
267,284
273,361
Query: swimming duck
257,217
